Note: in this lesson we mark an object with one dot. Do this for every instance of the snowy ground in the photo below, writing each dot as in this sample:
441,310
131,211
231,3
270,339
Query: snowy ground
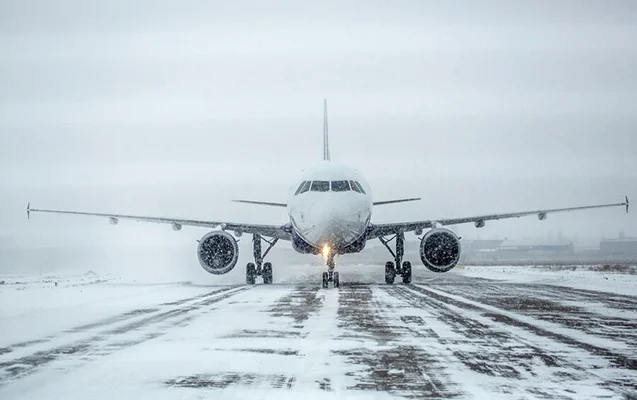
456,335
611,278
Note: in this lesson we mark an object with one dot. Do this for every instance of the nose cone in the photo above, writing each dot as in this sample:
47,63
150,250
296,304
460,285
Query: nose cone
337,222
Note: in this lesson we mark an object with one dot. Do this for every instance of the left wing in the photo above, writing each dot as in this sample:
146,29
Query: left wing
382,203
273,231
478,220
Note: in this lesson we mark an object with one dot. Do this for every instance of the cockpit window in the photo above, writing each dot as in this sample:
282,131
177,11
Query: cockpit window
320,186
300,187
340,186
357,187
305,187
360,187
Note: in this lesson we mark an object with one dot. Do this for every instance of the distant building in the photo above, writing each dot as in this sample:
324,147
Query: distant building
553,246
481,245
618,247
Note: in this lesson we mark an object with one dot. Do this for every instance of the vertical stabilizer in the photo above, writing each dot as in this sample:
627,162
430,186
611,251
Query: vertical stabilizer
326,143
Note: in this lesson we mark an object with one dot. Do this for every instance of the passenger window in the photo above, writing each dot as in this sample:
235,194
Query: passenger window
355,187
340,186
300,187
320,186
306,187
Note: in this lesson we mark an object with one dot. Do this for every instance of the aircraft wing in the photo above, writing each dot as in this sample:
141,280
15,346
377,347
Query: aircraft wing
377,230
274,231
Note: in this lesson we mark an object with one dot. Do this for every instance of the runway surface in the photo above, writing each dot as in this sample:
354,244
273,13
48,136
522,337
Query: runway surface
446,336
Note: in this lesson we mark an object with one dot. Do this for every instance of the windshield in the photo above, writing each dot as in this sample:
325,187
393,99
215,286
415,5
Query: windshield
357,187
300,187
320,186
305,187
340,186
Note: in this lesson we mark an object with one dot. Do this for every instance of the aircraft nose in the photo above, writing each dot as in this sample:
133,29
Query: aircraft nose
331,212
337,224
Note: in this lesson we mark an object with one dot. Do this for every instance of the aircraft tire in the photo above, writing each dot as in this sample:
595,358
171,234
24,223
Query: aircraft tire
267,273
325,280
337,283
406,272
390,273
251,274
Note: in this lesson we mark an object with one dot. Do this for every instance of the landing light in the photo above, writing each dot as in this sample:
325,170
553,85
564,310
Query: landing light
326,251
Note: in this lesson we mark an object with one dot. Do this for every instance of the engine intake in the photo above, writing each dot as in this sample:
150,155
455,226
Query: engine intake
440,250
218,252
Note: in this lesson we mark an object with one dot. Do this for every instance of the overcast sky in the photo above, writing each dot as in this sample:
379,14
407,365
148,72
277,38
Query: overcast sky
175,107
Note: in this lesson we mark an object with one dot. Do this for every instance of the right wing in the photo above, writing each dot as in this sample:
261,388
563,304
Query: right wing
273,231
377,230
261,203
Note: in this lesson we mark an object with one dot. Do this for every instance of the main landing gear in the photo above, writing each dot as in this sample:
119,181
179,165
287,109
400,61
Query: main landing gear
259,268
393,268
330,275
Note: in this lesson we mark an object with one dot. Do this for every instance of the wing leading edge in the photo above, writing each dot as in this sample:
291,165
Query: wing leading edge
273,231
378,230
381,203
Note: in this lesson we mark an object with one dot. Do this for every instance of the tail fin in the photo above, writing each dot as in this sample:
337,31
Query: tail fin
326,143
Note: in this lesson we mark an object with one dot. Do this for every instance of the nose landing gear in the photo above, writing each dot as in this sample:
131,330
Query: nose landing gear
393,268
259,268
330,275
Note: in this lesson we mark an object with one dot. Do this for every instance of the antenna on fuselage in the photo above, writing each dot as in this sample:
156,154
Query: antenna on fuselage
326,143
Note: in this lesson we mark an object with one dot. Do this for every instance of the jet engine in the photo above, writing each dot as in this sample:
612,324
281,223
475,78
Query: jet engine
218,252
440,250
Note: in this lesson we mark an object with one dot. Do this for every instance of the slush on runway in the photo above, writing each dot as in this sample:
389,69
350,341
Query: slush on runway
449,336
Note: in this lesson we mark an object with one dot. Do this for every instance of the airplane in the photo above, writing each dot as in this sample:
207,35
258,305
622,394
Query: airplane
329,209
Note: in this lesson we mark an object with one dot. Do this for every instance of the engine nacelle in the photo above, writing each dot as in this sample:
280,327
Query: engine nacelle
218,252
440,250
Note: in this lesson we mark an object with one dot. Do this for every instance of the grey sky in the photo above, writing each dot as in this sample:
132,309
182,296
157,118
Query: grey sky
478,106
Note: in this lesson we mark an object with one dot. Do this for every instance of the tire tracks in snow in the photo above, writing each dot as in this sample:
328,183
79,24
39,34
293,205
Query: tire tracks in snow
560,306
103,322
301,320
516,343
104,341
386,357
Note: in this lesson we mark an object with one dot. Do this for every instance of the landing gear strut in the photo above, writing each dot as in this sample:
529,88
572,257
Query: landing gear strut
259,268
330,275
393,268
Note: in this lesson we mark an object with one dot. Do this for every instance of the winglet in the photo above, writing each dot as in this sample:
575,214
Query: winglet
627,204
29,210
326,143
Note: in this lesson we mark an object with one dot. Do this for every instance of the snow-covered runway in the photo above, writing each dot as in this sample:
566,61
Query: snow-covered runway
446,336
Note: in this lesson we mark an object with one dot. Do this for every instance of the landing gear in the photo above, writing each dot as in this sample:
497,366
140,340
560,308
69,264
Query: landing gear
393,268
333,277
330,275
259,268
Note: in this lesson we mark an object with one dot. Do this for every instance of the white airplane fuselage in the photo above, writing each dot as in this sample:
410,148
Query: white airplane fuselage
335,217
